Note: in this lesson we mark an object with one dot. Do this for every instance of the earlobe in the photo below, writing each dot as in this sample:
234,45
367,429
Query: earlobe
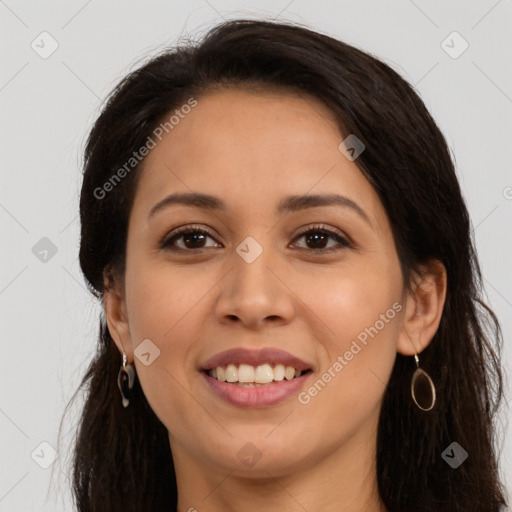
423,309
117,320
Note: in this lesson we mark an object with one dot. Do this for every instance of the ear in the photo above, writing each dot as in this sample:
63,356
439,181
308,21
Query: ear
423,308
114,305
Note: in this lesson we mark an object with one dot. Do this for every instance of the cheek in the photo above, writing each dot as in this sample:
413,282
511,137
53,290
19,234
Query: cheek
353,299
362,314
160,302
162,307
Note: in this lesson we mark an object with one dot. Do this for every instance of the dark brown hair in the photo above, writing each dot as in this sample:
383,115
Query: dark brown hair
122,459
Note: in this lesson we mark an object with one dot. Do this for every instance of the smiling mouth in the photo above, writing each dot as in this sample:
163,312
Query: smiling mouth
247,375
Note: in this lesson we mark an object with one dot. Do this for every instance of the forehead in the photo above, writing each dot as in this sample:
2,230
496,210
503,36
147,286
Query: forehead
252,148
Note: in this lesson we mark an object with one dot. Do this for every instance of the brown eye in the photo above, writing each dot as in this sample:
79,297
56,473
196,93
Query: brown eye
192,239
318,237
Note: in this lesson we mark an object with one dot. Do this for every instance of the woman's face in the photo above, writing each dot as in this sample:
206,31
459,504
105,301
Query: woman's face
254,282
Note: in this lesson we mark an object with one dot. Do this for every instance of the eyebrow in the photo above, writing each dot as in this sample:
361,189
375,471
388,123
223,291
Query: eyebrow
287,204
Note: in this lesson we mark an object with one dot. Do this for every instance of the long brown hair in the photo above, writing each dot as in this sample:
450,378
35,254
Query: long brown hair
122,460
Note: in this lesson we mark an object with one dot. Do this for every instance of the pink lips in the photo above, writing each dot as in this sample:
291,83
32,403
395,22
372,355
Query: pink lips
255,357
262,396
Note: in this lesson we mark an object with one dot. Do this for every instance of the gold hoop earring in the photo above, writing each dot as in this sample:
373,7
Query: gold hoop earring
125,380
423,390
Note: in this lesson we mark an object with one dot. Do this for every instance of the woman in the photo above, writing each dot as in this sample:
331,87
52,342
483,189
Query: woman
292,313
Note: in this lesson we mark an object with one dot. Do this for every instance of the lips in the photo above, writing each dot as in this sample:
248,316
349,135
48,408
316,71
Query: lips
253,357
256,397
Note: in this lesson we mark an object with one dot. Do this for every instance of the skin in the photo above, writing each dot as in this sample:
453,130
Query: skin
251,148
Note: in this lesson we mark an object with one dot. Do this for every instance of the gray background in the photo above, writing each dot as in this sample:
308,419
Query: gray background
48,323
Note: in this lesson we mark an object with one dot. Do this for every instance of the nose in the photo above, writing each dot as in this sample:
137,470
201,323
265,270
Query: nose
255,294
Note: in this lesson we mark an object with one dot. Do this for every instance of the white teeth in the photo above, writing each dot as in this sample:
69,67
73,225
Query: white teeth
246,374
263,374
231,373
289,373
279,372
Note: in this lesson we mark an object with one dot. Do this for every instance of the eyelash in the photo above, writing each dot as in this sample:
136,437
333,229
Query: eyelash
319,228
